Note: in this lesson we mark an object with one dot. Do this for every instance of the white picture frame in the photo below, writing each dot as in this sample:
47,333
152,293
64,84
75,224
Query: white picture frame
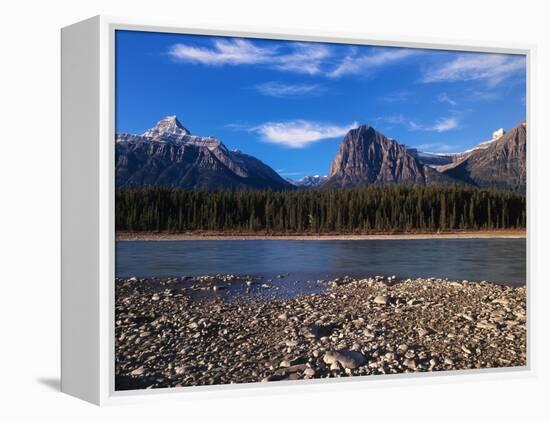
88,236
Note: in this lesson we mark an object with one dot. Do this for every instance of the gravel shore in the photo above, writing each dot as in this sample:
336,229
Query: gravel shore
166,338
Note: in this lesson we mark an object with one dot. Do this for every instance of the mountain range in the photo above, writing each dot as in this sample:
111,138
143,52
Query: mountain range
169,155
309,181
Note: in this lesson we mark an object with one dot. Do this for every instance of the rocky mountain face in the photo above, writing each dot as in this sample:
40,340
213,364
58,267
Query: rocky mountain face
169,155
366,157
499,163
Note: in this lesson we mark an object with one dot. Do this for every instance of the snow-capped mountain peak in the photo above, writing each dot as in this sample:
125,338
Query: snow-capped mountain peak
169,126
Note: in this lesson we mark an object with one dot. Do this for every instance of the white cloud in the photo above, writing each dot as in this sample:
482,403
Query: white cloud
284,90
231,51
443,97
492,68
297,57
445,125
304,58
300,133
441,125
363,64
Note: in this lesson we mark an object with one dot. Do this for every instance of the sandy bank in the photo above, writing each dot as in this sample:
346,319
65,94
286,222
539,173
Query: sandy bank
156,236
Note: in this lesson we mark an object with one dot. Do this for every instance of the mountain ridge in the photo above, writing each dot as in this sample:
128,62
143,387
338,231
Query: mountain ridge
501,164
367,156
169,155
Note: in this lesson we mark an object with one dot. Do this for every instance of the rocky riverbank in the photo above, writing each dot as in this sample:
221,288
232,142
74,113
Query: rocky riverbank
166,338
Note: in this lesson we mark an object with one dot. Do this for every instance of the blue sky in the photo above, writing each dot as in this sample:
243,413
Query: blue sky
291,103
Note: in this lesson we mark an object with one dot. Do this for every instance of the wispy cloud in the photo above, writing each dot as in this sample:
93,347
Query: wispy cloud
295,56
304,58
300,133
397,96
393,119
485,95
355,64
443,97
492,68
441,125
223,51
285,90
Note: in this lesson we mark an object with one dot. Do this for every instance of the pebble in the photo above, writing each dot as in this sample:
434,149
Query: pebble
409,363
346,358
382,299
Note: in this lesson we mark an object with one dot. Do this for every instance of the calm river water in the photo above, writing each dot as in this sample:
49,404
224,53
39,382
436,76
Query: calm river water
498,260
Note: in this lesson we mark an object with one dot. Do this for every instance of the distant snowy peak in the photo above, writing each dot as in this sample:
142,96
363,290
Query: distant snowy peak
310,181
430,158
497,134
435,159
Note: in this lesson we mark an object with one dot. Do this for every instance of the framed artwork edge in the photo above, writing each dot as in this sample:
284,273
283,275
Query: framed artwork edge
87,203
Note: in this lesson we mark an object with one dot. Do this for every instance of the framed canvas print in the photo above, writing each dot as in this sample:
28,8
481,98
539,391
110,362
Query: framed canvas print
279,210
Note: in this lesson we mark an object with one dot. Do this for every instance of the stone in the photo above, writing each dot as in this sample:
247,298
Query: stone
180,370
414,302
138,371
409,363
346,358
484,324
318,331
334,366
422,332
382,299
296,368
467,317
501,301
466,350
310,372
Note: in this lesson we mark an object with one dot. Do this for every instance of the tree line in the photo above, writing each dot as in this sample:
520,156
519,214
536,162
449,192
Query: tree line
350,210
